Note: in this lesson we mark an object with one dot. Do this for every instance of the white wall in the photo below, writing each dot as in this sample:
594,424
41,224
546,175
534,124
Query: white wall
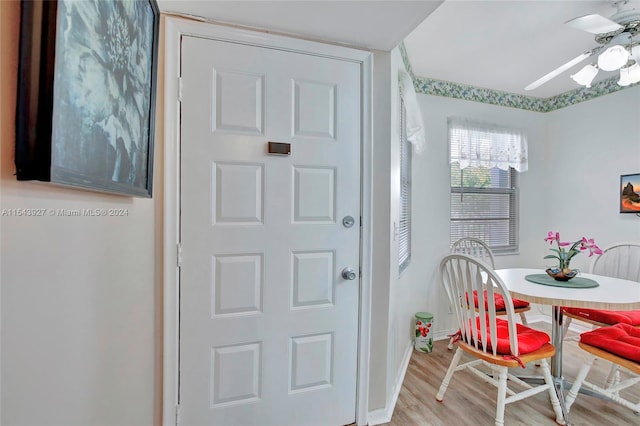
431,193
81,296
590,145
394,300
381,219
576,157
407,296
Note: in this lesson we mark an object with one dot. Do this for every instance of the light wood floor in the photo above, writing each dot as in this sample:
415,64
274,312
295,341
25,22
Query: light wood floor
470,401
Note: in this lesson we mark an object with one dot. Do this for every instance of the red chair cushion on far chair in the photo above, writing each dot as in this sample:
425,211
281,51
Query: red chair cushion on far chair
620,339
607,317
529,339
500,305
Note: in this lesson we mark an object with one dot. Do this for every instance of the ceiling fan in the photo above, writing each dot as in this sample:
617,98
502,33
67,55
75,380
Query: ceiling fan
618,47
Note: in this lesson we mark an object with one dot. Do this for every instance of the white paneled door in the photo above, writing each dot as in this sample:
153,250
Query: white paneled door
268,323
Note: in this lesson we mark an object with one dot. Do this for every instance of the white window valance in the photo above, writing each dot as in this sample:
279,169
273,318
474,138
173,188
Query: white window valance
479,144
414,124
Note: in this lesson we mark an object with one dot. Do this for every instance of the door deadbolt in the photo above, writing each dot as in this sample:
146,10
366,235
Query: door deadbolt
348,221
348,274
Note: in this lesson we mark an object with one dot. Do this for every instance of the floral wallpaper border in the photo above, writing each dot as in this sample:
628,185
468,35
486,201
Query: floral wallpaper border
582,94
429,86
405,59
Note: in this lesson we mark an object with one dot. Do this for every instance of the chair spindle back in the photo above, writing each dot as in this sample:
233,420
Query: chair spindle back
461,275
474,247
620,260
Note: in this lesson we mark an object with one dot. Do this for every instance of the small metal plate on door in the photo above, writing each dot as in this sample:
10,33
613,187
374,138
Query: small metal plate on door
279,148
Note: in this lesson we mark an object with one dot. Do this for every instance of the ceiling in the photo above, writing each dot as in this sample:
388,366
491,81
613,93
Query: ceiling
500,45
379,25
505,45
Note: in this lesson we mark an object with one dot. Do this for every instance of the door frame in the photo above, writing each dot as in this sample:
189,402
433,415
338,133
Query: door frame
174,29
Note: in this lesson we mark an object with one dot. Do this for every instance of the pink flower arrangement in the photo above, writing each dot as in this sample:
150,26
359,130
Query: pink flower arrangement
563,255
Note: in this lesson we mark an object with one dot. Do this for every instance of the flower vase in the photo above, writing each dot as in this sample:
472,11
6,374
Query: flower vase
561,274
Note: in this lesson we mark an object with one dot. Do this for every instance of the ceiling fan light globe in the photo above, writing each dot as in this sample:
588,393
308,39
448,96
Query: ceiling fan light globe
613,58
585,76
634,73
629,74
625,80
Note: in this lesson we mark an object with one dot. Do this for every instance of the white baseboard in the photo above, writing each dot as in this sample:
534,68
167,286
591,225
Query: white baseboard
383,415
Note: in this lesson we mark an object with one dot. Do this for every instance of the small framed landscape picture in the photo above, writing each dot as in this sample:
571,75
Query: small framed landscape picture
630,193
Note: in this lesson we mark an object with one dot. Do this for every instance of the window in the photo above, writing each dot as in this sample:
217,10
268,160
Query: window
484,183
404,229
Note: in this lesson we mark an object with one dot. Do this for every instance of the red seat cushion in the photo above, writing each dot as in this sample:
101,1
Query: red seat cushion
500,305
607,317
529,339
620,339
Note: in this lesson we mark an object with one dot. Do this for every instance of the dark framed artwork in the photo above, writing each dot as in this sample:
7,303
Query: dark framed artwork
86,94
630,193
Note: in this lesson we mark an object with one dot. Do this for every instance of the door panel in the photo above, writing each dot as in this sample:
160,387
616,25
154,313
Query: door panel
268,326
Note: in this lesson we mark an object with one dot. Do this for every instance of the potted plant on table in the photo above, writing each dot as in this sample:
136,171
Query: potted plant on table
564,272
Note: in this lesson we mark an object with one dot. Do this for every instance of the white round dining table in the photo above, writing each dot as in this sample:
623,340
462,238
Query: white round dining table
611,293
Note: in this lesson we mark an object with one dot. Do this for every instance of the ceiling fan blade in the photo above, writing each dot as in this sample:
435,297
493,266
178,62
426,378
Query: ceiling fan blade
594,24
562,68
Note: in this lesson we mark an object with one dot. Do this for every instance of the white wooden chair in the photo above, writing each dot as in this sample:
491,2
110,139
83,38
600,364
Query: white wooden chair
498,344
617,344
479,249
620,260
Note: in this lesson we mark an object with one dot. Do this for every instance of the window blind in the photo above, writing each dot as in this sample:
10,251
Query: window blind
404,228
484,201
